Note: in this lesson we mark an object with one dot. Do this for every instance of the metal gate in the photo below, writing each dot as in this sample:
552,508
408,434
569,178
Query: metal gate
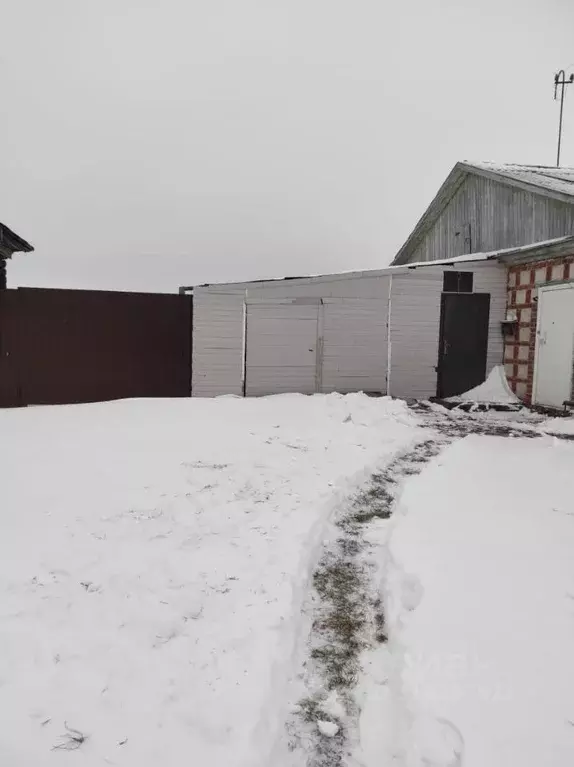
67,346
310,345
554,345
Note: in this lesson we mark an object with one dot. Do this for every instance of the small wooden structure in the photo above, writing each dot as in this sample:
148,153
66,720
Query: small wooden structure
10,243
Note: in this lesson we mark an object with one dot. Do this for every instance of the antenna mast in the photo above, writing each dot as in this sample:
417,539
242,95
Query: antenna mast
561,81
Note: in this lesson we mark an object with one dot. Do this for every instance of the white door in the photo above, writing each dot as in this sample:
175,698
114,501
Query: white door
354,353
281,346
554,346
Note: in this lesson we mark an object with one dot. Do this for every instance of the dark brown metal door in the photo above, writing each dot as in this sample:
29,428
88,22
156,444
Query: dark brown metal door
463,342
10,391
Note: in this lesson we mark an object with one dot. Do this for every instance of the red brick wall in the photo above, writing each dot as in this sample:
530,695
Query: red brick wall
519,348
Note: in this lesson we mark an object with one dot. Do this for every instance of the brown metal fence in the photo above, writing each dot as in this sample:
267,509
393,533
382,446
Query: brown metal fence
67,346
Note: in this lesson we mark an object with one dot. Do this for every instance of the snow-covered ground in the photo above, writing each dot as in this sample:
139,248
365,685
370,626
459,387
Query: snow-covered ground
480,592
156,568
154,556
564,426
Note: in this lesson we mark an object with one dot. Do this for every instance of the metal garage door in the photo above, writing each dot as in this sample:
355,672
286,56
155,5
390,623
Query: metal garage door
354,353
281,346
313,345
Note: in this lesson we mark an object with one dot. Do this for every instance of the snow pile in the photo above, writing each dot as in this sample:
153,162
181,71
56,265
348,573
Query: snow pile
563,426
154,556
481,605
494,391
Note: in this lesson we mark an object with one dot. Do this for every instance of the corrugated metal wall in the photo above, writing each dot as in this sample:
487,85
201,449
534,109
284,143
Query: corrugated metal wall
68,346
485,215
355,338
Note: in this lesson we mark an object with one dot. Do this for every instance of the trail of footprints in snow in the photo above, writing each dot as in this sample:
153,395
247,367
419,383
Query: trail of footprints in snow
348,615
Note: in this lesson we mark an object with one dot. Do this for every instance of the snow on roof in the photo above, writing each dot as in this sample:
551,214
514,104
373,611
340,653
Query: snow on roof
552,179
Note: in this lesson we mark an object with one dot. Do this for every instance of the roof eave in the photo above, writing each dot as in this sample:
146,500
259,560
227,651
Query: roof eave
11,243
563,247
503,178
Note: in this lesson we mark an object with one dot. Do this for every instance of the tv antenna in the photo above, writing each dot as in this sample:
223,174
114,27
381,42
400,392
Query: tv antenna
561,82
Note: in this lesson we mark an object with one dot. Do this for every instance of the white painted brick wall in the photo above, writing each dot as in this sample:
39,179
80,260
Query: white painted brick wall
525,277
521,389
525,315
523,352
523,371
558,272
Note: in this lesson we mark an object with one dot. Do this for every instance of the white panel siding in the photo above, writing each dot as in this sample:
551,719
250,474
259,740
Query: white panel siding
281,348
330,286
414,329
354,333
217,359
415,324
491,278
354,345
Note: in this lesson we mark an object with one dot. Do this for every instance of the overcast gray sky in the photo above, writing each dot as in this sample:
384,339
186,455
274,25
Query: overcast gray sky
150,143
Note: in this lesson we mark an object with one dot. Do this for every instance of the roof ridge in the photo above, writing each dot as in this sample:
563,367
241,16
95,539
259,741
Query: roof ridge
479,163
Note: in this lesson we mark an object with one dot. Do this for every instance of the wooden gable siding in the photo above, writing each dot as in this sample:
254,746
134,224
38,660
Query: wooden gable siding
485,215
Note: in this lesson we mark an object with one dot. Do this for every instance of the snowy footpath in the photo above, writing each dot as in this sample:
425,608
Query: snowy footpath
480,607
327,581
154,558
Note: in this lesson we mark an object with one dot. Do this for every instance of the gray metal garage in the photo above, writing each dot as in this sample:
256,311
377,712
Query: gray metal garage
411,331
